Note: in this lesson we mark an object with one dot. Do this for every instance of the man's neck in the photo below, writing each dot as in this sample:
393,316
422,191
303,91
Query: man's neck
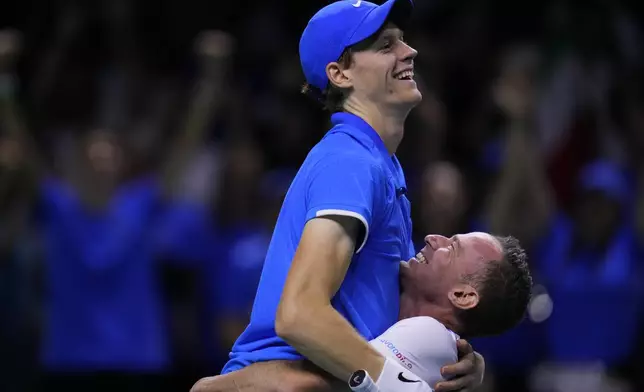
388,123
413,306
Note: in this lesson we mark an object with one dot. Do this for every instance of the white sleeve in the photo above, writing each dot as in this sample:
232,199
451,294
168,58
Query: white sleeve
421,344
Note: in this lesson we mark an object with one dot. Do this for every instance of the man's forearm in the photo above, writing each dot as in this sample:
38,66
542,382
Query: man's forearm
327,339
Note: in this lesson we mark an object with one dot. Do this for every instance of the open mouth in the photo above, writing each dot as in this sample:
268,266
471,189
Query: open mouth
405,75
421,258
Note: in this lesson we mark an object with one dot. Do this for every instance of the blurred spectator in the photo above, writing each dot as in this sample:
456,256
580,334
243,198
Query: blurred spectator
230,237
245,246
97,216
515,198
589,264
517,193
144,152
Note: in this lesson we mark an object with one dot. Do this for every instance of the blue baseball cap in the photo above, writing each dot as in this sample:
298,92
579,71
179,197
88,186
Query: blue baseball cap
340,25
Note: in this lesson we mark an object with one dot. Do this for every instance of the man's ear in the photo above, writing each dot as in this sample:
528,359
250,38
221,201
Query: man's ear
463,296
337,76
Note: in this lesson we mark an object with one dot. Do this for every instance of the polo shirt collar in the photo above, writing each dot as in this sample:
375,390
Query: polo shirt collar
358,124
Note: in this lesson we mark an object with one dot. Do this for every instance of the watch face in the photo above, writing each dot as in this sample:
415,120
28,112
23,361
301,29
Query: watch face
357,378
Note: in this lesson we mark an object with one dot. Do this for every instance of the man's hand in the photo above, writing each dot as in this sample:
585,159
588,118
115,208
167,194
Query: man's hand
214,50
465,375
515,92
214,44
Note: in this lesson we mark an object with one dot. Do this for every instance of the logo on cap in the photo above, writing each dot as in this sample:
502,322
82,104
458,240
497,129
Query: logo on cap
357,3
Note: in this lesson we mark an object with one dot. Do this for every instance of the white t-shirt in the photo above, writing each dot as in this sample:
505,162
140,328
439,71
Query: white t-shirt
421,344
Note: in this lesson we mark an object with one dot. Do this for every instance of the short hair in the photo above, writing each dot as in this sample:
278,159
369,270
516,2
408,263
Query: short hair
332,98
505,290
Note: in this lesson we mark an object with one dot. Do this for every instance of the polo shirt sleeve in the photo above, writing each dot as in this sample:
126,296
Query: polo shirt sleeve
421,344
345,185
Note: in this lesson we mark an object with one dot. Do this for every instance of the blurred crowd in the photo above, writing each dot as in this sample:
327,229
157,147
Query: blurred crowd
145,148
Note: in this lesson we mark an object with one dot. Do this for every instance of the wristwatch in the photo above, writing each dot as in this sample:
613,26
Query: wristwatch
360,381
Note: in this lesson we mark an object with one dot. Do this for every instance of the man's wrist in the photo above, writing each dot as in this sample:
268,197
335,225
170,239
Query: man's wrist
375,366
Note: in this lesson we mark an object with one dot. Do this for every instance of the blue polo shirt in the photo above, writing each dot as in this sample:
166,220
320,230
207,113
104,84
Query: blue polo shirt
104,306
349,172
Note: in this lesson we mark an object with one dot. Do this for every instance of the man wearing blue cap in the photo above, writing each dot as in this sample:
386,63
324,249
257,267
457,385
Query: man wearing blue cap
330,280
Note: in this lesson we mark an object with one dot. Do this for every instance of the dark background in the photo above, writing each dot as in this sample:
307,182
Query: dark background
145,147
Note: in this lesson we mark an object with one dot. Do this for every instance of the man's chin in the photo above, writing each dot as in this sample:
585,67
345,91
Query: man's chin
409,100
418,98
414,97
